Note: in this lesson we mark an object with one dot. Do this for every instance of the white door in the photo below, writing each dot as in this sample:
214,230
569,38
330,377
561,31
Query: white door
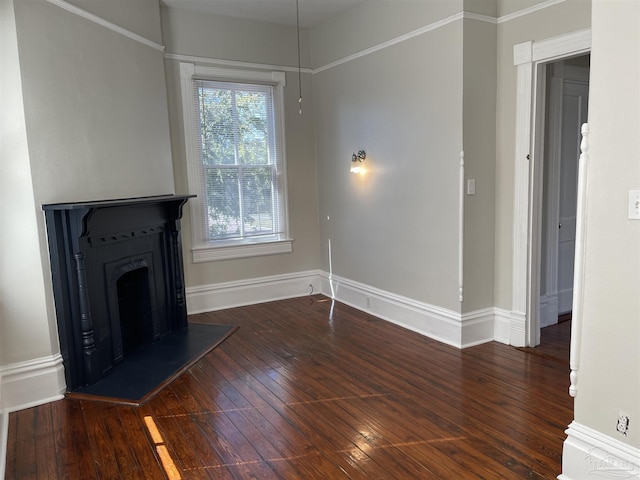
574,114
567,111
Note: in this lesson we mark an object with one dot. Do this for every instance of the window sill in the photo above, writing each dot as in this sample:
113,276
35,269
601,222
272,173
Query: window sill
210,253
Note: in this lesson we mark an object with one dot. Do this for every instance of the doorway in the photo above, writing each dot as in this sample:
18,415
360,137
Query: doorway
531,59
566,108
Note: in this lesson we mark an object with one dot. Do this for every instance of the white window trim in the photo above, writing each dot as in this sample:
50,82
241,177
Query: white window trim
225,250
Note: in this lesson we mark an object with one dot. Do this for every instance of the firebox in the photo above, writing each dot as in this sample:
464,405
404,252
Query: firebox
118,279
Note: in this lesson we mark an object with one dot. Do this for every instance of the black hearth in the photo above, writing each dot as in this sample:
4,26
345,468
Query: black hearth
118,279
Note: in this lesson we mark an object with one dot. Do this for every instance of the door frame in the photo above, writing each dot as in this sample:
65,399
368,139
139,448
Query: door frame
530,59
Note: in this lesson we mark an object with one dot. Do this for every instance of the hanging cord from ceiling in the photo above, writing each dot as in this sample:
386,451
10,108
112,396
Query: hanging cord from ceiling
299,67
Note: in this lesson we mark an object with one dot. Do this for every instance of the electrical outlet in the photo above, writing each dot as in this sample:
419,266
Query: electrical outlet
623,423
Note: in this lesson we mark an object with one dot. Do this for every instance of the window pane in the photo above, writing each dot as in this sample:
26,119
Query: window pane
253,147
239,160
257,201
223,203
216,126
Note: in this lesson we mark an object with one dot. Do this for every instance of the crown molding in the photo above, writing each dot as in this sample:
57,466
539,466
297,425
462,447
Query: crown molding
435,25
480,17
232,63
527,11
106,24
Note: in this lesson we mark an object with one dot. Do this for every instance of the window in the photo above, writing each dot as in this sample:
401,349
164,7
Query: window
234,144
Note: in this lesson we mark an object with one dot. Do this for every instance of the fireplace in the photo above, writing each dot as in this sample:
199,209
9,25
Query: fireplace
118,279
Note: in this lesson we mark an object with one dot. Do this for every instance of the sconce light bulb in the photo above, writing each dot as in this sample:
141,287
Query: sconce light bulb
356,160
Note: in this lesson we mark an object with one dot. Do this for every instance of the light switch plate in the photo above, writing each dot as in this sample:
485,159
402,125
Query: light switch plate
634,204
471,186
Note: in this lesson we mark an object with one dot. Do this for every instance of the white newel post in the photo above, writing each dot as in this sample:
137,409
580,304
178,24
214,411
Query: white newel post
578,281
461,232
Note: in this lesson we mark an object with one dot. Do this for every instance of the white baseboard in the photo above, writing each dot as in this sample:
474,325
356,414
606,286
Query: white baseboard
432,321
548,310
209,298
588,453
32,383
444,325
478,327
502,325
517,329
509,327
565,300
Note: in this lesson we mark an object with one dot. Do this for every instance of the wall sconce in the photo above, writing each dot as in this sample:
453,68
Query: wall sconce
356,160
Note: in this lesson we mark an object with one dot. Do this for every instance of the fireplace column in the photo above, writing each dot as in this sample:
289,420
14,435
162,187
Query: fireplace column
89,360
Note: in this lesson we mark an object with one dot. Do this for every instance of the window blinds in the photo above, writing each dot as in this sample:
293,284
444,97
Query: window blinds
241,160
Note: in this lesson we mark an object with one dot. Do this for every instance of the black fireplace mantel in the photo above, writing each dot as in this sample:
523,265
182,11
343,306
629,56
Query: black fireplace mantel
91,245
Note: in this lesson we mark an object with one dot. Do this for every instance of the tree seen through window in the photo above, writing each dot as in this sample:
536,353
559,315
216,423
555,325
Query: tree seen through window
237,141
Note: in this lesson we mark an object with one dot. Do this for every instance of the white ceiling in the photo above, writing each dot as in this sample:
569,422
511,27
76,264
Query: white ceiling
277,11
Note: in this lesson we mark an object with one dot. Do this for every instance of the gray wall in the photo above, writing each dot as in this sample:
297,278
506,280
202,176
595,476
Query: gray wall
373,23
95,118
24,330
396,227
211,36
95,108
609,370
479,110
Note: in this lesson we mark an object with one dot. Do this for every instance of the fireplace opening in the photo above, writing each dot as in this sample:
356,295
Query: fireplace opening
135,315
134,308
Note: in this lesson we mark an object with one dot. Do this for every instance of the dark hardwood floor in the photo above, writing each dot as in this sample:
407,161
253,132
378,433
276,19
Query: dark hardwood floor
554,342
304,390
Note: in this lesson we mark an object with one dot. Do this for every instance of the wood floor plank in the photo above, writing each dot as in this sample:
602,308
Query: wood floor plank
283,435
12,440
44,442
323,438
187,448
25,458
120,437
154,432
102,447
66,460
87,466
229,438
144,453
309,389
